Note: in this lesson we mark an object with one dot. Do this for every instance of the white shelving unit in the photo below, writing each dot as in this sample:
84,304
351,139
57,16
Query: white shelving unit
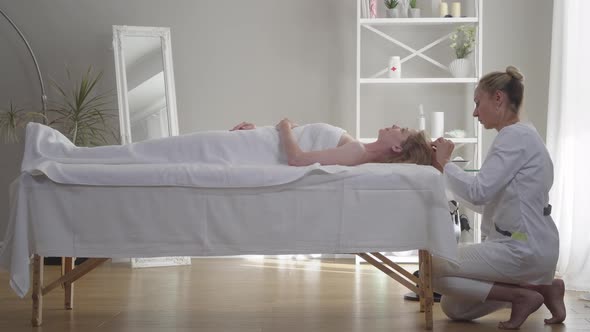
416,21
438,31
415,80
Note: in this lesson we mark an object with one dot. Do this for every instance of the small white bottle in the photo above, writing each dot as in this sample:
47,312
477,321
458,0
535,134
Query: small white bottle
395,67
421,119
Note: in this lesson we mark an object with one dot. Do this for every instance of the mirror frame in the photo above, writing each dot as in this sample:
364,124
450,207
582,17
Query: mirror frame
120,31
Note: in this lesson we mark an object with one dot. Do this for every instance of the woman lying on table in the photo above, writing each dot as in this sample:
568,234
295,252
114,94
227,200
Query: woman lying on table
393,145
285,143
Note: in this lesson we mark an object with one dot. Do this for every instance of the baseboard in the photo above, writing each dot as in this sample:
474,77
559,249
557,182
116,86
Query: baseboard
121,260
160,261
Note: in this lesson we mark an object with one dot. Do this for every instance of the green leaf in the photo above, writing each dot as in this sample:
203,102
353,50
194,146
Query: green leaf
83,113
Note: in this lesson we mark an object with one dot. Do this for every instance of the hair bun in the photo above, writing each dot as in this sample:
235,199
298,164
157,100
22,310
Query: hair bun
514,73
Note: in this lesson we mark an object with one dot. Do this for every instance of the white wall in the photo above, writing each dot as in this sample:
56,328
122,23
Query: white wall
259,60
519,33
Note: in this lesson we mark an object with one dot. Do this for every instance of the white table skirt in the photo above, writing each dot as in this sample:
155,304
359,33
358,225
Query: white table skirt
367,209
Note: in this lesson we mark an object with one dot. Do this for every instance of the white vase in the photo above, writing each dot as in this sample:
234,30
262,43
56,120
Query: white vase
393,13
460,68
403,5
434,8
415,12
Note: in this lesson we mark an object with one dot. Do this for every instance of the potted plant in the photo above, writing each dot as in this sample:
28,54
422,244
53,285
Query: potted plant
81,114
414,12
462,42
392,10
13,118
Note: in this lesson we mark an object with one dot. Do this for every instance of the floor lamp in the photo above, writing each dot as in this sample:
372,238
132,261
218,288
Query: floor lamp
43,95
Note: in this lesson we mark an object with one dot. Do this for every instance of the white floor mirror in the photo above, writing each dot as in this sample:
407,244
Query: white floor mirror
146,95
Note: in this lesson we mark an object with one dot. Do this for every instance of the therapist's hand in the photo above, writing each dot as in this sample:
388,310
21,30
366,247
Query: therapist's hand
444,148
435,163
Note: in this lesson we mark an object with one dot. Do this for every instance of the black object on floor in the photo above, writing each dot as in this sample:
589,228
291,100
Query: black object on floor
411,296
57,260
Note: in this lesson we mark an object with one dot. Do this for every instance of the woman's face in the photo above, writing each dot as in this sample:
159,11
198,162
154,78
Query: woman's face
485,110
394,136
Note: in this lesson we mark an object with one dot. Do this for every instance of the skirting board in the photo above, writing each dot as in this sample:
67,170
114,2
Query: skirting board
160,261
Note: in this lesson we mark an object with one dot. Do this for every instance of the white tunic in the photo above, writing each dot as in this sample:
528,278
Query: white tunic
513,186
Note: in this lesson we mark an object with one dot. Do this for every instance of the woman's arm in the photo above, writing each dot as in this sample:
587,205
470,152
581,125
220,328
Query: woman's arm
507,156
348,154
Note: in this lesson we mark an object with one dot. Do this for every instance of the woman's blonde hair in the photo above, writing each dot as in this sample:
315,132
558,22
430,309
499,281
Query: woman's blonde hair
416,149
510,82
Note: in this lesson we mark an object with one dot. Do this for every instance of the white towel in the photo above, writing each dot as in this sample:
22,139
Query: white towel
246,158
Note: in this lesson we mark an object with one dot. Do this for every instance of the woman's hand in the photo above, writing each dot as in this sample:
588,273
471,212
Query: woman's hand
443,149
286,123
244,126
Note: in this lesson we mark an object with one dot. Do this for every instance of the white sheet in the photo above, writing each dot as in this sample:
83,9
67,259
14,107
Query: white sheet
220,159
373,207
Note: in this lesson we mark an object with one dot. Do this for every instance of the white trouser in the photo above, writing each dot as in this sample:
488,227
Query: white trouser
465,286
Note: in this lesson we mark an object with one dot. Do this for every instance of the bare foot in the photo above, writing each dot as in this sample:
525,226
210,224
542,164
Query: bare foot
526,302
554,295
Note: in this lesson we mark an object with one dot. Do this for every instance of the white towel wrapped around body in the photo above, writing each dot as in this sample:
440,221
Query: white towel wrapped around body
245,158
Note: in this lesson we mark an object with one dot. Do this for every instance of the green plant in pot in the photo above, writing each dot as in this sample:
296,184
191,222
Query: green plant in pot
12,119
462,43
392,10
81,113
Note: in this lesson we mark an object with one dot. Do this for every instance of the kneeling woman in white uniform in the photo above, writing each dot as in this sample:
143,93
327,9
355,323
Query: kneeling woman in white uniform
515,265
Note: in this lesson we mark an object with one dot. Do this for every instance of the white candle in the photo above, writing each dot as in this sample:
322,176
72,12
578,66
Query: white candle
444,9
437,127
456,9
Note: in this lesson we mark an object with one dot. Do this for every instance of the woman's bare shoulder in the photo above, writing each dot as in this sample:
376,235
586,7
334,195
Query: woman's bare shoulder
346,138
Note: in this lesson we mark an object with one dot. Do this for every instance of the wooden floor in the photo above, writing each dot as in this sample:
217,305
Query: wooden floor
236,294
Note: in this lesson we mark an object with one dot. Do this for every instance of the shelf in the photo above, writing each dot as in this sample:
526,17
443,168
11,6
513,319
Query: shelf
462,140
418,21
417,80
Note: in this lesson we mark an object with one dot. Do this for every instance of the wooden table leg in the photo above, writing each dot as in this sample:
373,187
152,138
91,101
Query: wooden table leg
420,268
67,266
426,289
37,318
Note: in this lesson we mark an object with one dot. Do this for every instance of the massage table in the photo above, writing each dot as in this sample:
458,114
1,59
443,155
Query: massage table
195,195
361,210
